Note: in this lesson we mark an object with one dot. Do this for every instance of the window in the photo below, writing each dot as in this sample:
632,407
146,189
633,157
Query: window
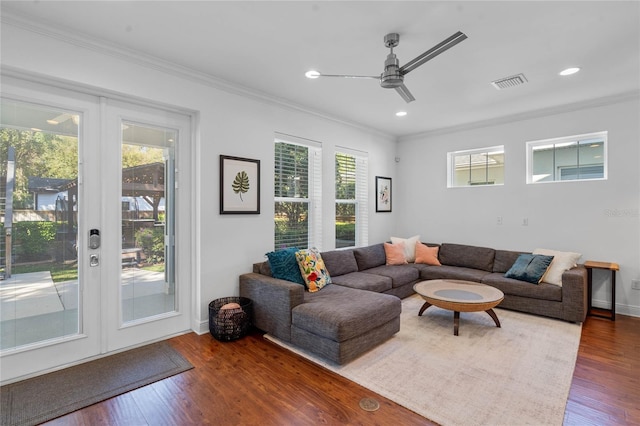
581,157
484,166
297,190
351,199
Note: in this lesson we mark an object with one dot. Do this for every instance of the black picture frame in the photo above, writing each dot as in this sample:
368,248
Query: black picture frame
239,185
383,194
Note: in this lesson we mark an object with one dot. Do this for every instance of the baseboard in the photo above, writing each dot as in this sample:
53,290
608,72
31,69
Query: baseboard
630,310
202,327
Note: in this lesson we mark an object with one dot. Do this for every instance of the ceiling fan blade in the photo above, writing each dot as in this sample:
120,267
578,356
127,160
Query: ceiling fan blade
405,93
350,76
433,52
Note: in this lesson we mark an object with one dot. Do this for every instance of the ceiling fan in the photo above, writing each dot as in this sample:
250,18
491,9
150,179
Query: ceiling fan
393,75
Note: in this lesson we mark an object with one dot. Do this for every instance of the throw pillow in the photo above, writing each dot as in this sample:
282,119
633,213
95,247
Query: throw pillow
312,268
529,267
395,254
562,261
409,246
284,265
427,255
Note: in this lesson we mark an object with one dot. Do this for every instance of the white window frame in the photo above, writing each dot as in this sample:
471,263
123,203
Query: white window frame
531,179
314,198
362,194
451,166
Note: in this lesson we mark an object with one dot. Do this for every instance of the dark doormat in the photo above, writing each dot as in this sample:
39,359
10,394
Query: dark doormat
52,395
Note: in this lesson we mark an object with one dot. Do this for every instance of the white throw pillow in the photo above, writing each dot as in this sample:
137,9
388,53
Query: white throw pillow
562,261
409,246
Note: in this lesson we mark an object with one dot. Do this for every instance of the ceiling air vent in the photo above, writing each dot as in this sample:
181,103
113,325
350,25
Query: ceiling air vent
506,82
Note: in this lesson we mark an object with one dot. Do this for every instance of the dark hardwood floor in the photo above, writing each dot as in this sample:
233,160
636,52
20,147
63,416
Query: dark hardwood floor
251,382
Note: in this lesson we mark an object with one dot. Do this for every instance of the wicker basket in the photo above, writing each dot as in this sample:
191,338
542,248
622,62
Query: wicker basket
230,324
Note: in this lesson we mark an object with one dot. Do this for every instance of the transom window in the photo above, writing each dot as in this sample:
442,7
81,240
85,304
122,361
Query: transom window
483,166
581,157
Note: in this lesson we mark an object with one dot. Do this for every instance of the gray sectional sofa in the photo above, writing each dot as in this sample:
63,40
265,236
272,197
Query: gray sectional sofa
361,308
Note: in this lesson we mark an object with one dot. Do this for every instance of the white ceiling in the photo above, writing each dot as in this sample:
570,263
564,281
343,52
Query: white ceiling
266,47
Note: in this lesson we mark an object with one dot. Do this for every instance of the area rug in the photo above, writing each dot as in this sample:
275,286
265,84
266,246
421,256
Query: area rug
46,397
519,374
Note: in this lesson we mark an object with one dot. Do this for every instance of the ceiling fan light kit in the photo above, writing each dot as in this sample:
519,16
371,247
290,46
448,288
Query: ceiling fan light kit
393,75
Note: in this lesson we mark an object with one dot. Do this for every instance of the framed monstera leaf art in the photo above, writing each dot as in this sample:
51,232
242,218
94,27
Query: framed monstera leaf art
239,185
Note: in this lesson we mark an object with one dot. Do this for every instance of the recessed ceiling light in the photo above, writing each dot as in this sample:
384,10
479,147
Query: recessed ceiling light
401,113
312,74
569,71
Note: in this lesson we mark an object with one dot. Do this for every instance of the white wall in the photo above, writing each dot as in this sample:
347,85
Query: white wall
600,219
229,124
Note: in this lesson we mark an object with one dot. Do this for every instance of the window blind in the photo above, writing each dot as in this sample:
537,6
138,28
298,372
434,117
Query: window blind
297,217
351,176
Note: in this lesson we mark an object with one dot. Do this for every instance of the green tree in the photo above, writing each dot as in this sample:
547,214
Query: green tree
37,154
137,155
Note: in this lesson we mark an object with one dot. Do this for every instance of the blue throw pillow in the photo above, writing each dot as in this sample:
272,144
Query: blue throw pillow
529,267
284,265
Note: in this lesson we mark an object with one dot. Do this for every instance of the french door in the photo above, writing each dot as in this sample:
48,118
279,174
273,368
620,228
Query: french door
153,297
95,241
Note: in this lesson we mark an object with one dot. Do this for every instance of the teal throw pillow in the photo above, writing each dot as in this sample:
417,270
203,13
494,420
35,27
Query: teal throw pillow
529,267
284,265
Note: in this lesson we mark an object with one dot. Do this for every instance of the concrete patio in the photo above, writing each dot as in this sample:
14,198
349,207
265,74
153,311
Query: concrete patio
33,308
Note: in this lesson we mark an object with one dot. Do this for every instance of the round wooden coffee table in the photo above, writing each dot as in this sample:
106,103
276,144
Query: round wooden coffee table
459,296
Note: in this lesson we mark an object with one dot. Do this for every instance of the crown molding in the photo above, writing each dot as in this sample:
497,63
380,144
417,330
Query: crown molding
571,107
142,59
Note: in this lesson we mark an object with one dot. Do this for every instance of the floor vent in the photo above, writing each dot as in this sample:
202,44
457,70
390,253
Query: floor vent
506,82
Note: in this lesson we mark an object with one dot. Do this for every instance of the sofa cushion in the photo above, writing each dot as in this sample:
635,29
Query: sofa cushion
529,268
283,265
399,274
504,260
341,313
370,256
340,262
364,281
467,256
451,272
510,286
312,269
395,254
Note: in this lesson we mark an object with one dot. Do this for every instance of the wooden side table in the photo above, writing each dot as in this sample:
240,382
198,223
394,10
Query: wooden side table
613,267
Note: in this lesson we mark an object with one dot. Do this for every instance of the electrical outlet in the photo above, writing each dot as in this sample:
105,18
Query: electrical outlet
635,284
499,220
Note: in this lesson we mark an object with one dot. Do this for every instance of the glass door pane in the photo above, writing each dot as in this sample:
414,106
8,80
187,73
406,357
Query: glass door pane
147,277
39,206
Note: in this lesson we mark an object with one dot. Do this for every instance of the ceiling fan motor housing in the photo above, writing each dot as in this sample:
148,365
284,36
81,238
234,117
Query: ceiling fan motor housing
391,77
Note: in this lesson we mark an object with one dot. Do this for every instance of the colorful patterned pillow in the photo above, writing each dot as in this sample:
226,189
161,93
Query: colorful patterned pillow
284,265
312,268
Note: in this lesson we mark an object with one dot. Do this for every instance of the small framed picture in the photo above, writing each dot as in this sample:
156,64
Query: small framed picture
383,194
239,185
